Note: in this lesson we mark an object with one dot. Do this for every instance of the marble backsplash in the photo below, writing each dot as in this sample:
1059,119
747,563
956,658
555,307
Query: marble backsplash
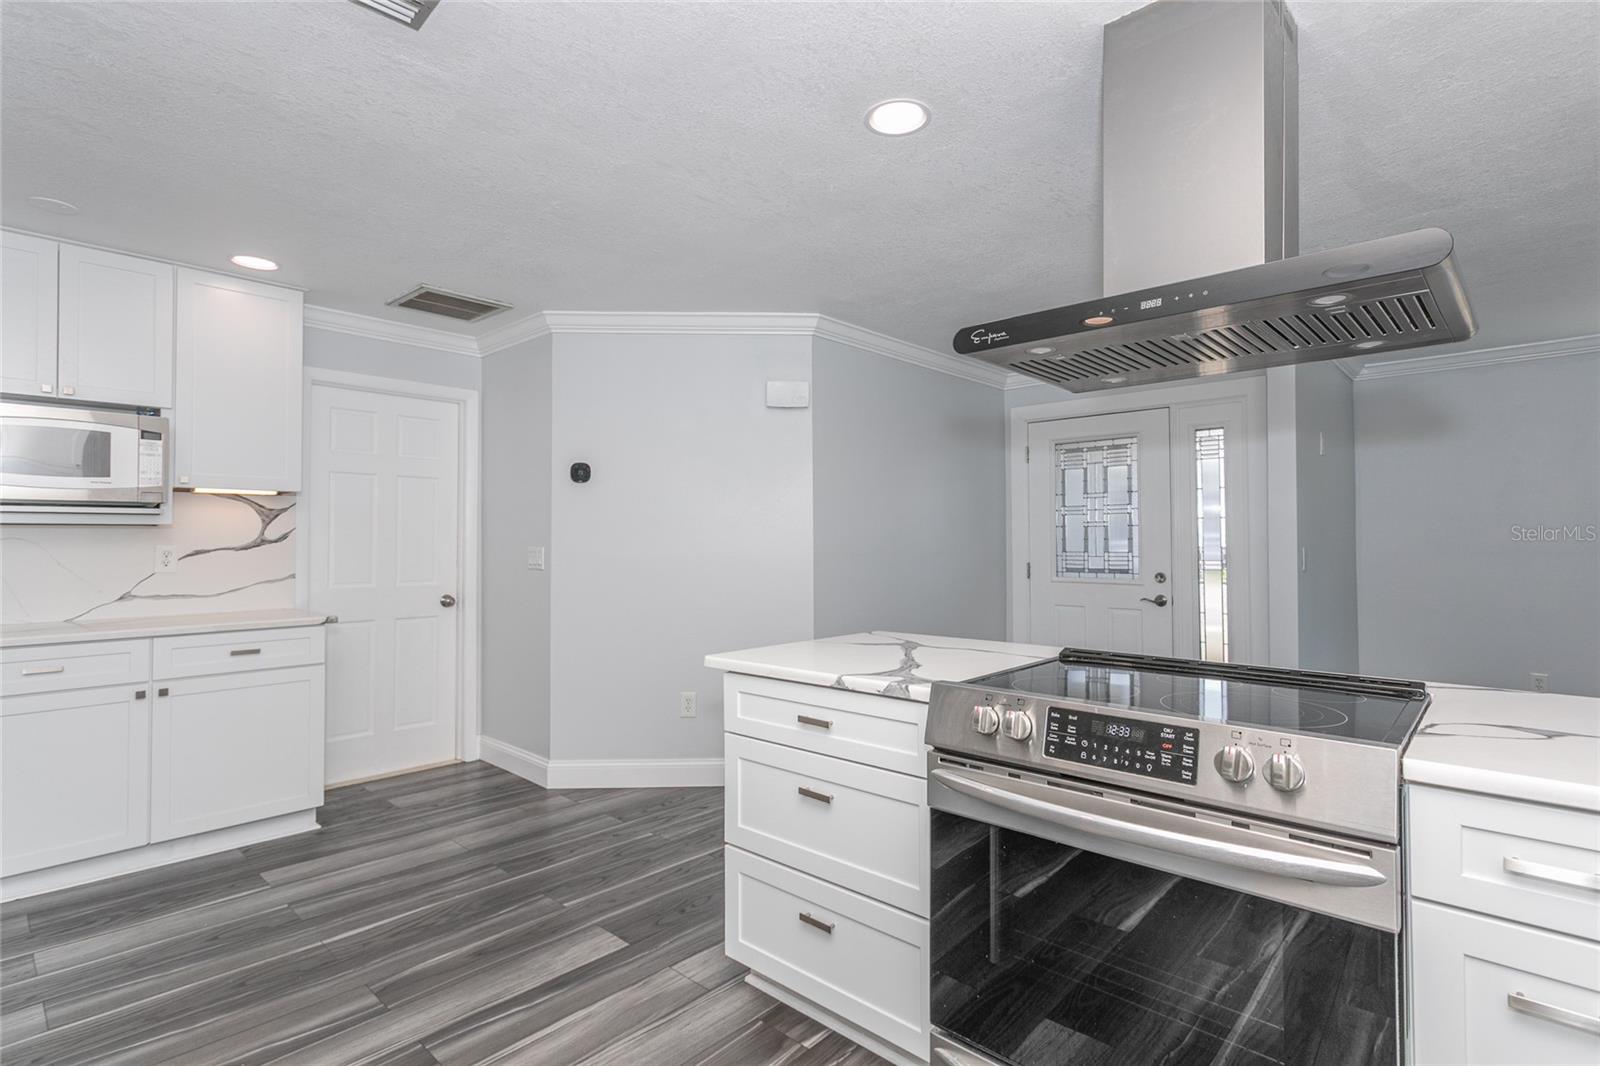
235,553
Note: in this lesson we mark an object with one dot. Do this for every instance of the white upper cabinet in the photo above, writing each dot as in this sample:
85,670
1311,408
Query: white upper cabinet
238,400
115,328
28,343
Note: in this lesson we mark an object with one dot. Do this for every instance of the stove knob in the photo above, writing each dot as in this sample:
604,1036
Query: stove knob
1018,725
1235,764
1285,772
985,720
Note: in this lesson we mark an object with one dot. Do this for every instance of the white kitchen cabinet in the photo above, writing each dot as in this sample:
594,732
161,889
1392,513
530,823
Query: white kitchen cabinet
115,328
234,748
74,775
28,341
238,384
1491,991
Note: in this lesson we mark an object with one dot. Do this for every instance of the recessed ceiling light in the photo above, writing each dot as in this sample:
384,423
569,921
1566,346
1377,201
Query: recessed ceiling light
1040,351
1116,380
1330,299
892,118
1364,345
253,262
50,203
1098,320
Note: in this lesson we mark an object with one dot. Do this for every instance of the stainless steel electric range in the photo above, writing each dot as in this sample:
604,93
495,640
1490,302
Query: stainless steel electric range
1140,860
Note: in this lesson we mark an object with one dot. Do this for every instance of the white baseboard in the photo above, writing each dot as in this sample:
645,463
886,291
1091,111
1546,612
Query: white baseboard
601,773
100,867
525,764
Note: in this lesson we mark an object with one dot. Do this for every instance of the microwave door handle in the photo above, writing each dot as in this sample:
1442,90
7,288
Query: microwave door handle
1062,811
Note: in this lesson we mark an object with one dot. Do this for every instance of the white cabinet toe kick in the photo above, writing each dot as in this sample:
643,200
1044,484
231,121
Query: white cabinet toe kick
120,755
827,856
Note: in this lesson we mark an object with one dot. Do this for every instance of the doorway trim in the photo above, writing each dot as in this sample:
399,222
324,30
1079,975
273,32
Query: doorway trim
468,709
1246,390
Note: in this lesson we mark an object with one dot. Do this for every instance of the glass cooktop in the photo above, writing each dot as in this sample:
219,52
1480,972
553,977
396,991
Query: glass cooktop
1373,710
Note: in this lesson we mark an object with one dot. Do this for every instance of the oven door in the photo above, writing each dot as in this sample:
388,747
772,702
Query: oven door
80,456
1091,926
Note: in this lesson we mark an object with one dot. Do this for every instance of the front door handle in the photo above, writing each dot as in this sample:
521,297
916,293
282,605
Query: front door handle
447,600
1159,599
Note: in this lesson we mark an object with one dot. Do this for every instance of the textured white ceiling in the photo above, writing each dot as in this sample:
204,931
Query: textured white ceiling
713,157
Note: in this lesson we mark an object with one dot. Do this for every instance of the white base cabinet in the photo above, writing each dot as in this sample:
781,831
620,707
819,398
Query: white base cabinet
74,775
233,749
121,747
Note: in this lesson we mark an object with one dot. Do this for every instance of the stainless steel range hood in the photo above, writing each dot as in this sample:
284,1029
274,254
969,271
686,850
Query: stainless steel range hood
1392,293
1199,157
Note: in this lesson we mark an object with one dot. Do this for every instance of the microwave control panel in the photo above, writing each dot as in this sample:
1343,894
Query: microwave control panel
1143,749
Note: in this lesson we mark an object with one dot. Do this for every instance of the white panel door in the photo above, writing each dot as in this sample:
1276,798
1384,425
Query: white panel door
116,328
28,343
239,347
384,532
74,775
1100,533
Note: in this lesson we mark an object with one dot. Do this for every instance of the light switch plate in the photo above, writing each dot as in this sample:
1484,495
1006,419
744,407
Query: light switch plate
535,558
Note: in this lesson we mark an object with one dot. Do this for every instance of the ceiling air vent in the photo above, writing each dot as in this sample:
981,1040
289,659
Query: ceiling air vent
411,12
449,304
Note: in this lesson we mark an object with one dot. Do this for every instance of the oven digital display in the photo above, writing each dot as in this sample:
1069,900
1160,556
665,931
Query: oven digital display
1143,749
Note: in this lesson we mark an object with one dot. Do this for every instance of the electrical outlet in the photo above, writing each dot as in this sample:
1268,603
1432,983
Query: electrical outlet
686,705
1539,682
535,558
166,558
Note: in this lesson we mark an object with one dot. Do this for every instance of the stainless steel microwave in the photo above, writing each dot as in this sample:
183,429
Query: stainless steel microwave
61,456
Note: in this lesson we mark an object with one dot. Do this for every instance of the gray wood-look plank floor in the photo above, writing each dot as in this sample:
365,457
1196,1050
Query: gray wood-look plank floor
455,915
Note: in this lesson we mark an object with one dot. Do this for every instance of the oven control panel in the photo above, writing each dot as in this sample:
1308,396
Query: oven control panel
1144,749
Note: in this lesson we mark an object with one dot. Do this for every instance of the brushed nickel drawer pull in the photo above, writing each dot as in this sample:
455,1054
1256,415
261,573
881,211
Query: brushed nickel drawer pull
161,692
820,723
35,671
141,694
245,651
817,923
811,793
1539,871
1549,1012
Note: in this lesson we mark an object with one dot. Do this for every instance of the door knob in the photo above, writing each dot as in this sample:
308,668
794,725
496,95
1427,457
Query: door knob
447,600
1159,599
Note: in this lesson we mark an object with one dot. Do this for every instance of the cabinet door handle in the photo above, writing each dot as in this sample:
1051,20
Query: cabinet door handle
245,651
161,692
817,923
811,793
141,694
35,671
1549,1012
1539,871
820,723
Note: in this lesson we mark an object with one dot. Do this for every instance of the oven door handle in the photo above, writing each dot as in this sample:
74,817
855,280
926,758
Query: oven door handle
1264,860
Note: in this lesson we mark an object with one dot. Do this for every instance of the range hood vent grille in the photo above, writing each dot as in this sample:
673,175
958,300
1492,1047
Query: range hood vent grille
1408,295
454,305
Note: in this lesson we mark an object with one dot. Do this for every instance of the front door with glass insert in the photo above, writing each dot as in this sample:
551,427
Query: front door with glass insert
1100,532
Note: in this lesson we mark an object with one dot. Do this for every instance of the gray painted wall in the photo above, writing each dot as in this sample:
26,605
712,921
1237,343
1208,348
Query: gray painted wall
1326,517
1450,465
694,535
909,504
368,355
517,399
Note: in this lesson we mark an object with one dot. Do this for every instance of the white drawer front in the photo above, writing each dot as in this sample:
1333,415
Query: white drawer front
877,730
856,826
866,962
1487,991
1533,864
198,654
55,667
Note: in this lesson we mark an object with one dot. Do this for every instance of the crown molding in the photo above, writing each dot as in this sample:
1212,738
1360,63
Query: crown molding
357,325
693,323
867,340
1511,353
530,327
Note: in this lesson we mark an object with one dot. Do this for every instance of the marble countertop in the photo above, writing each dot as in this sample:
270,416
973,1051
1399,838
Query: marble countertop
23,634
1534,746
903,665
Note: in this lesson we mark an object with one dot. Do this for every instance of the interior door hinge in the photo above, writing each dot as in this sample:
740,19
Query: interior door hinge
1030,570
1027,453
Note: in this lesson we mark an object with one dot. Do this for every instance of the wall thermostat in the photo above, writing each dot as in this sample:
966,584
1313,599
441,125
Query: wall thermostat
580,472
